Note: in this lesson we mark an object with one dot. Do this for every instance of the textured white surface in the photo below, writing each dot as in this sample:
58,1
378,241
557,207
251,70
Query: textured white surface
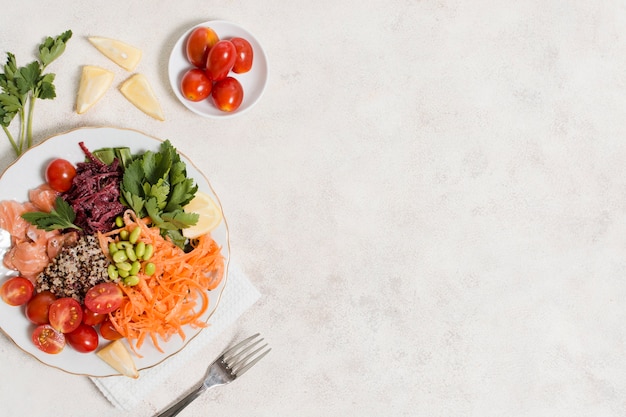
430,196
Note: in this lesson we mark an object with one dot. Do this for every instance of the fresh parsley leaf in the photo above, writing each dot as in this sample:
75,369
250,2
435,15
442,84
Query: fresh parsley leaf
61,217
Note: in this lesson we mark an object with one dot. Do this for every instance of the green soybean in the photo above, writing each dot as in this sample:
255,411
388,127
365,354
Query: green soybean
149,251
119,221
130,253
119,256
134,235
123,266
124,234
112,248
123,273
135,268
123,245
131,280
140,249
149,269
112,272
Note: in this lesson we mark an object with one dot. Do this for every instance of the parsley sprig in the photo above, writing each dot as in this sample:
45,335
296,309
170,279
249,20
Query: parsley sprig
61,217
155,185
21,86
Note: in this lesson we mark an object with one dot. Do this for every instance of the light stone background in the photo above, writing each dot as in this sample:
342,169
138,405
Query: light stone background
431,198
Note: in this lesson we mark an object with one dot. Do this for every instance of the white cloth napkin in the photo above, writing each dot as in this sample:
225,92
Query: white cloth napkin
126,393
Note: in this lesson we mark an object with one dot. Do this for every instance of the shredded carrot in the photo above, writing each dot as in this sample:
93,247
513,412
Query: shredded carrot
160,305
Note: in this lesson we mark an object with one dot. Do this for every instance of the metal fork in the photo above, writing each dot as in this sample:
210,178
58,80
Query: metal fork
230,365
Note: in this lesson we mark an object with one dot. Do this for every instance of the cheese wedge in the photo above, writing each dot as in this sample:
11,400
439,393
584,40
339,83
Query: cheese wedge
138,91
94,82
116,355
123,54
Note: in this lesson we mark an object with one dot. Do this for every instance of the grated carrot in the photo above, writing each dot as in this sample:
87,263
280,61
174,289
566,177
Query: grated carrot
159,306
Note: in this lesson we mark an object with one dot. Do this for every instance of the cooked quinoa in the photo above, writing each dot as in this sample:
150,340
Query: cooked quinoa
75,269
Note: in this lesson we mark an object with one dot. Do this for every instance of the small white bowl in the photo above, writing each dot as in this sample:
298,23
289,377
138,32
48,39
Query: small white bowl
253,82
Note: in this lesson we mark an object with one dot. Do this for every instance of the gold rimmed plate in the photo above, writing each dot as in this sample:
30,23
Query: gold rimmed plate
27,173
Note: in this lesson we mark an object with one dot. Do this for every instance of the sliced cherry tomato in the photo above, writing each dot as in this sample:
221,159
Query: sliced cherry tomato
227,94
91,318
17,291
199,42
59,175
104,298
47,339
195,85
243,63
84,339
108,331
38,307
220,61
65,314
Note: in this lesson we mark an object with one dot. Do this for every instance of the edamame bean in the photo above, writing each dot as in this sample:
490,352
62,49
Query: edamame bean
134,235
149,252
112,272
123,266
135,268
123,273
124,234
130,253
112,248
119,221
131,280
140,249
119,256
123,245
149,269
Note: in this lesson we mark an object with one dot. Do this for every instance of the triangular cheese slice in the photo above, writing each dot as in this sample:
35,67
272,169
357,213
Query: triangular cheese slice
138,91
124,55
116,355
94,82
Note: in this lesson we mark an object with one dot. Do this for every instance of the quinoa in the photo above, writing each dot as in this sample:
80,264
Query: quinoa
75,269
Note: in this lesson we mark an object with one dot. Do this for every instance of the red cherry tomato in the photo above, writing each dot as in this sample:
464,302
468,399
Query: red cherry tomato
104,298
59,175
220,61
84,339
47,339
91,318
243,63
17,291
38,307
65,314
108,331
195,85
198,44
227,94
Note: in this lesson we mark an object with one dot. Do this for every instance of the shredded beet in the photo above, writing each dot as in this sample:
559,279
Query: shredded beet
95,194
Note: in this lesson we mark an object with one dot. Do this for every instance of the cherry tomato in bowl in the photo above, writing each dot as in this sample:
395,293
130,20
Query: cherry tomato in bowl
245,55
59,175
38,307
83,339
195,85
220,61
227,94
198,44
17,291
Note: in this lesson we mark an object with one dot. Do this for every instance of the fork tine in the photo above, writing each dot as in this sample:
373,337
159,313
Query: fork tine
234,357
238,372
238,345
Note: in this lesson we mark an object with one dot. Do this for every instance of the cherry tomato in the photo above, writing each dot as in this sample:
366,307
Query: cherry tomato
108,331
59,175
227,94
47,339
199,42
195,85
104,298
91,318
38,307
84,339
220,61
65,314
243,63
17,291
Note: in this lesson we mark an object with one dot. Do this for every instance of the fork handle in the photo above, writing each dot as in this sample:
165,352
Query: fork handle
183,402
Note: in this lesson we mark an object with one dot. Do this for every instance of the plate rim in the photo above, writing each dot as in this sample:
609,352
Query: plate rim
226,261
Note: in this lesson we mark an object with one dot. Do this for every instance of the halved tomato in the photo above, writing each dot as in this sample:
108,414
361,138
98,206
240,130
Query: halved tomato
104,298
17,291
48,339
65,314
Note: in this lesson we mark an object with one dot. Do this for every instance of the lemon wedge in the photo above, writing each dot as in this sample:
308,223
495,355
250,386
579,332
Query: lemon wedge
94,82
116,355
209,213
138,91
123,54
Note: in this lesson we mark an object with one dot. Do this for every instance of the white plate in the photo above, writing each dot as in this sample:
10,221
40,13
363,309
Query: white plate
253,82
27,173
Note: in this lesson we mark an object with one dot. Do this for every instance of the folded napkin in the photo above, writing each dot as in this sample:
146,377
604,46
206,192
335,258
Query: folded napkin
126,393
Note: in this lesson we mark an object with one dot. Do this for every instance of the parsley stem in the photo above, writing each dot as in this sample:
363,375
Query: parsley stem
10,136
29,123
22,130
